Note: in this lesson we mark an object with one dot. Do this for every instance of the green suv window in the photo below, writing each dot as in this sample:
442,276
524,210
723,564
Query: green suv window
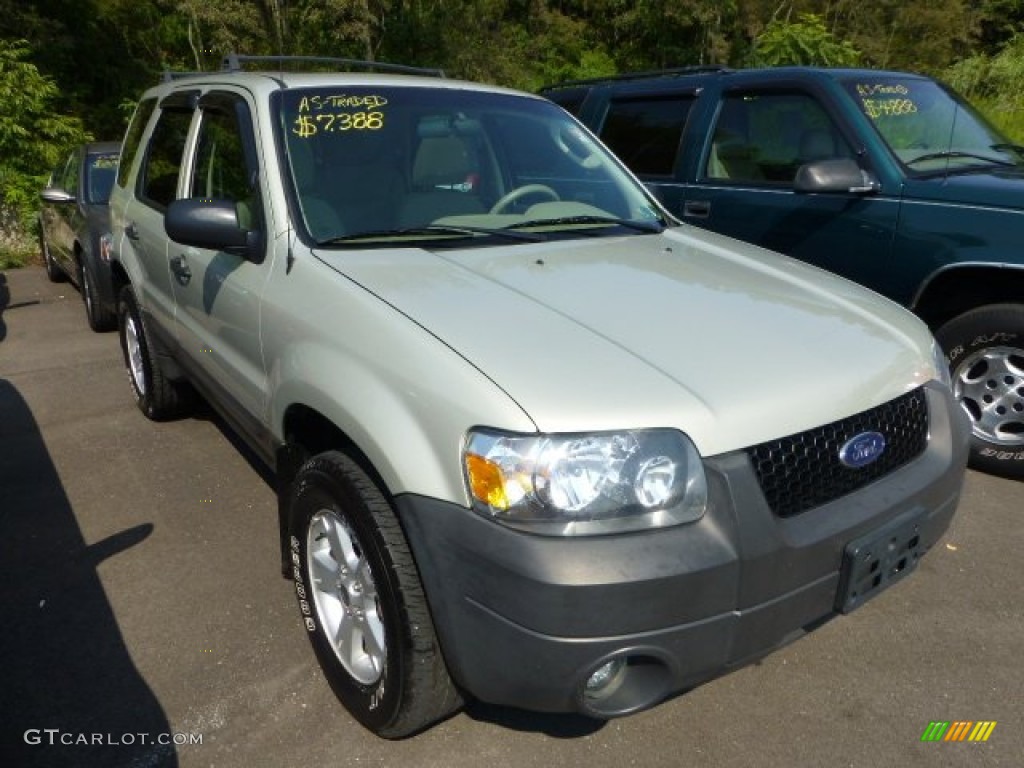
646,133
766,137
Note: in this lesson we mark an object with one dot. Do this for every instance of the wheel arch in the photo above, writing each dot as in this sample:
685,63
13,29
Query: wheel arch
307,432
950,292
118,277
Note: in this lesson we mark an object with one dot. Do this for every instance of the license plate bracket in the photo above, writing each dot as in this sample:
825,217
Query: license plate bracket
879,559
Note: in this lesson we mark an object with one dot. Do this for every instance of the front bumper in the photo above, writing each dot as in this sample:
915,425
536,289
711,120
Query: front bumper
525,620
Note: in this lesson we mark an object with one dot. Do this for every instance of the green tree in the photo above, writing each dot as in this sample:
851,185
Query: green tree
806,41
34,133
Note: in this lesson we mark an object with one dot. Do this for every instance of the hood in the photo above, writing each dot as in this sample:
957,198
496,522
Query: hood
999,188
725,341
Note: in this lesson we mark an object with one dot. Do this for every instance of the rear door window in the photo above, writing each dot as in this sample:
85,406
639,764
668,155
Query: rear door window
645,133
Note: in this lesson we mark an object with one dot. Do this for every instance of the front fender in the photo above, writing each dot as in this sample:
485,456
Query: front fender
407,412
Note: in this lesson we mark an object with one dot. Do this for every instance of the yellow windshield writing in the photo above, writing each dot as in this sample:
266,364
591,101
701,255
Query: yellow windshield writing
885,99
338,113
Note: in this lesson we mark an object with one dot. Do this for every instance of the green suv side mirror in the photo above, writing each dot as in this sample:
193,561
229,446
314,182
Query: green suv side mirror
839,174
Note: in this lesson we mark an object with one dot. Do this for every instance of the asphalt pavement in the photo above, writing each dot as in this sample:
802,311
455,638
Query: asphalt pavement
145,622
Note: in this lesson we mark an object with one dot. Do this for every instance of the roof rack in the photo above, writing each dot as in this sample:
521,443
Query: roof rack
675,71
169,75
233,62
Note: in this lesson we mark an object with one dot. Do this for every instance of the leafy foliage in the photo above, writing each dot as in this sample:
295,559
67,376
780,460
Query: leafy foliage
806,41
92,57
995,84
33,136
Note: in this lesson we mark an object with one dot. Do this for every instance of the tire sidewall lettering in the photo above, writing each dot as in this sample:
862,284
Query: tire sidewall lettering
300,587
375,701
992,453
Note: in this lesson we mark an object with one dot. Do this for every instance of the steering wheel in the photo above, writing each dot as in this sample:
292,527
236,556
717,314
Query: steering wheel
523,191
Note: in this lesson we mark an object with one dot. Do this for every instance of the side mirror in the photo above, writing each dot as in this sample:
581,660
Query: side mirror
56,195
211,223
839,174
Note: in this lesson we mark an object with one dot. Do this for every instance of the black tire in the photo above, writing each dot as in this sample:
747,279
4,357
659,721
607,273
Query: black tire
394,680
100,318
157,396
53,270
985,349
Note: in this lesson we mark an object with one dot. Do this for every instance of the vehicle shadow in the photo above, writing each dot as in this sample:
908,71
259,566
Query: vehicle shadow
70,694
557,726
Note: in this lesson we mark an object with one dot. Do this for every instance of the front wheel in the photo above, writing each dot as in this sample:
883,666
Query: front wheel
362,602
985,349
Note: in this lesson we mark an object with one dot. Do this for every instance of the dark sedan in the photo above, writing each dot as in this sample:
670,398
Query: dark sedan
74,227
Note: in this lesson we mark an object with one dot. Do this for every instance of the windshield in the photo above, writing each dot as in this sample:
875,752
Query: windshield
929,128
391,165
100,171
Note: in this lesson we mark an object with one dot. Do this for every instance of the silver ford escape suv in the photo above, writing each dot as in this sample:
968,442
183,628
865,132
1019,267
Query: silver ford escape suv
535,441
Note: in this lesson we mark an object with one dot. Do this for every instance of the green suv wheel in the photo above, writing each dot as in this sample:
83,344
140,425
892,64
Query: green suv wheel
985,348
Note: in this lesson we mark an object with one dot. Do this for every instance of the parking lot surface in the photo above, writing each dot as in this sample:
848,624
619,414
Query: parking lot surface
144,612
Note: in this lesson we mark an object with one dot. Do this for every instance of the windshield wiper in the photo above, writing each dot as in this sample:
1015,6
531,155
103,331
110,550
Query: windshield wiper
955,154
651,227
430,230
1006,145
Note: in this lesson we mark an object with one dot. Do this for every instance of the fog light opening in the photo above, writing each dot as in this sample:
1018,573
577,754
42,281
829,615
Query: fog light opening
622,685
606,679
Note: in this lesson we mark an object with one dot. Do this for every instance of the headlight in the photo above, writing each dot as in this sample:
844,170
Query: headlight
585,484
941,365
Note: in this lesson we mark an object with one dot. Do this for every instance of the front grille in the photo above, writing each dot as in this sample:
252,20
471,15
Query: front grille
803,471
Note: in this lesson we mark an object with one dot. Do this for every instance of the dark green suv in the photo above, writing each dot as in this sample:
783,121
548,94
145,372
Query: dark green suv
887,178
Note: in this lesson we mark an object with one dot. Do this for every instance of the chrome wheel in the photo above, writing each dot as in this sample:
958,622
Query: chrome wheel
134,349
990,386
346,597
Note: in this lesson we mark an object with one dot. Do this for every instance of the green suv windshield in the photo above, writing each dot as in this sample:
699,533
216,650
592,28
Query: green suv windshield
928,128
394,165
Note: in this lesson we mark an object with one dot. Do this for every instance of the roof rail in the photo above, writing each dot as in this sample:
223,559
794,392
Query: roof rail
169,75
234,62
674,71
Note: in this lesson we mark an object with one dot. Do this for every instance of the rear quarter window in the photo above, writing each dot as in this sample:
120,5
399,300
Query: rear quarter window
133,138
158,177
569,99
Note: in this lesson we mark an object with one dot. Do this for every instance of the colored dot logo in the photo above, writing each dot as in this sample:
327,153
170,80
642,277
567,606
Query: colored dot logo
958,730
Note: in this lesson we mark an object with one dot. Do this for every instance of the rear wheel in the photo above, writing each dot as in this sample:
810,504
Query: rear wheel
157,396
362,602
985,348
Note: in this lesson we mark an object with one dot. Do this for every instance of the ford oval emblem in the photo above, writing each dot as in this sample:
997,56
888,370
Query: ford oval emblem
863,449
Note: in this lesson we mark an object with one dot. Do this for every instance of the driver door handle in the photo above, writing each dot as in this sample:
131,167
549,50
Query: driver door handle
180,268
697,209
